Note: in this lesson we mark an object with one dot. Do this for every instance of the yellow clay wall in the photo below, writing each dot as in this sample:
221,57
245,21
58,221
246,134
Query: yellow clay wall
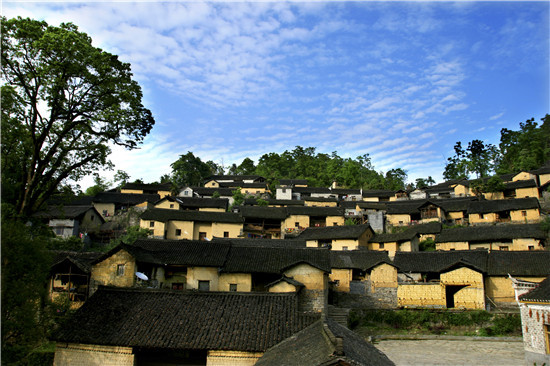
530,215
196,274
343,276
283,287
312,278
242,280
232,358
105,272
69,354
500,288
421,295
218,228
383,275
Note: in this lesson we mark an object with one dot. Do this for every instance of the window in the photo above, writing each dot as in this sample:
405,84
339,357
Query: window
524,213
120,270
177,286
178,232
505,248
171,205
344,248
92,218
152,224
204,285
59,230
334,224
186,193
481,216
381,246
226,234
232,287
296,224
202,235
531,247
284,190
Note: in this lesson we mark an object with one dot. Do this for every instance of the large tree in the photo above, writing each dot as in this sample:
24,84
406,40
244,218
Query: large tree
64,102
190,170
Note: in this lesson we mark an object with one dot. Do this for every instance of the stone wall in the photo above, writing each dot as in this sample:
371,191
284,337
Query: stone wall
69,354
117,270
361,295
534,319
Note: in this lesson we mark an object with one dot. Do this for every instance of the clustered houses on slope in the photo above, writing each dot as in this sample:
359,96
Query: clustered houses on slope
224,260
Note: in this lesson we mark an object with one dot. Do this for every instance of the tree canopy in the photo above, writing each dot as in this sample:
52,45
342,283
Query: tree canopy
63,102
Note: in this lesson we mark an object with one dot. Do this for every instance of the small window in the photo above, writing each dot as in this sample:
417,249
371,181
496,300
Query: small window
92,218
177,286
505,248
232,287
524,213
202,236
120,269
186,193
204,285
296,224
226,234
381,246
152,224
284,190
344,248
178,232
481,216
452,249
171,205
531,247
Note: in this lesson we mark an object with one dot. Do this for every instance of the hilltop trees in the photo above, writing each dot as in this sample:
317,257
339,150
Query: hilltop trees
63,102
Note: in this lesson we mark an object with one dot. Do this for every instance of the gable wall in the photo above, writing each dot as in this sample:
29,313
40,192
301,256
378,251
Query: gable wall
101,207
196,274
314,297
218,228
543,179
166,205
163,194
283,287
242,280
532,215
186,228
470,297
105,272
523,176
67,354
339,244
501,290
383,275
527,192
343,276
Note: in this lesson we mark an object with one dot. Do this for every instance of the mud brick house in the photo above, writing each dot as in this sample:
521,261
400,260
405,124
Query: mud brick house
409,212
193,204
405,241
377,195
262,221
67,221
519,210
303,217
324,343
141,326
162,190
492,237
320,201
347,237
193,225
535,319
441,279
248,184
363,278
217,266
111,203
207,192
69,276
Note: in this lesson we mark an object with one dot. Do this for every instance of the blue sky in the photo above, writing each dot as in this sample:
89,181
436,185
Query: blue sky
401,81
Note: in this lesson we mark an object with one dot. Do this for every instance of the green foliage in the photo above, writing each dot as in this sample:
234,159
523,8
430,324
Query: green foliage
424,182
427,245
71,243
25,266
436,321
350,221
238,197
478,158
216,194
100,185
190,170
65,102
132,234
261,202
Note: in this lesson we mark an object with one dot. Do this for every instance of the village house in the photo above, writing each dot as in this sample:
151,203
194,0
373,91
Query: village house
320,201
109,204
492,237
299,218
380,195
191,225
67,221
363,278
404,241
162,190
263,222
139,326
519,210
347,237
193,204
69,276
535,319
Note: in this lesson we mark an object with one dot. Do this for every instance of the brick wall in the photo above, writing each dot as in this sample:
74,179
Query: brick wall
533,319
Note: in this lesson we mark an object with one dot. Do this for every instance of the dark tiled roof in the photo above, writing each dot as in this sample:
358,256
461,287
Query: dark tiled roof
124,198
315,211
406,235
66,212
404,207
181,252
148,187
378,193
246,259
529,183
310,190
264,243
345,191
364,205
164,215
542,170
286,202
320,199
541,293
288,280
427,228
456,204
235,178
358,259
179,320
318,345
83,260
197,202
208,191
520,263
481,207
292,182
334,232
275,213
491,233
242,185
437,261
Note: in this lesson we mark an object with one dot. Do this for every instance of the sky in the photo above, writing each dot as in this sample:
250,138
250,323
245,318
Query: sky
400,81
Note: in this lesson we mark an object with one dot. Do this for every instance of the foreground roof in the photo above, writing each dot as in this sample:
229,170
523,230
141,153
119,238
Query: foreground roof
491,232
164,215
324,343
476,207
179,320
358,259
438,261
519,263
66,212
